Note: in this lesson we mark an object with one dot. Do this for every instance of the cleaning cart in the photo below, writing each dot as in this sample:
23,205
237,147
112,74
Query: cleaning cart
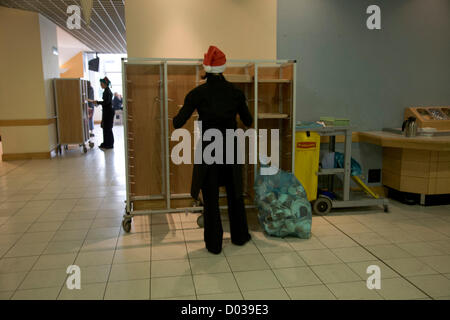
307,171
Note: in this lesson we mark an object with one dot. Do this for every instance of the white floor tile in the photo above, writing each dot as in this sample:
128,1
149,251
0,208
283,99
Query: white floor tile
211,264
215,283
247,262
434,285
93,291
11,281
128,290
284,260
130,271
399,289
37,279
335,273
267,294
19,264
55,261
171,287
37,294
353,291
229,296
256,280
317,257
312,292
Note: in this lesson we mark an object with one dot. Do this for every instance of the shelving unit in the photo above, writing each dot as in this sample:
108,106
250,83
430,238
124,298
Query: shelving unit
72,113
154,91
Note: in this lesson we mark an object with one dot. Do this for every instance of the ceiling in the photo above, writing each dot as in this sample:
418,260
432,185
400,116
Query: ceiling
106,32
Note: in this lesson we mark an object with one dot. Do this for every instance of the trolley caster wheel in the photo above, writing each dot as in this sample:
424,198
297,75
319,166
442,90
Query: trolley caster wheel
322,206
126,225
91,145
84,149
385,208
200,221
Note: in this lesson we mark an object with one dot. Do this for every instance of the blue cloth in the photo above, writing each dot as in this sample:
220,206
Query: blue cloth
339,163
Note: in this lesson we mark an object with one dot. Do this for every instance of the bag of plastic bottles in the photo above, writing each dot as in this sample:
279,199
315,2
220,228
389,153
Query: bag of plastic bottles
284,209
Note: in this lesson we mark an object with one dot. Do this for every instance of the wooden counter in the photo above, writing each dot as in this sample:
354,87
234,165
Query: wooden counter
417,165
387,139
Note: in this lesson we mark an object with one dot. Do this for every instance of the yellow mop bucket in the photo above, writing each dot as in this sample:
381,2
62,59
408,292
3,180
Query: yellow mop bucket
307,153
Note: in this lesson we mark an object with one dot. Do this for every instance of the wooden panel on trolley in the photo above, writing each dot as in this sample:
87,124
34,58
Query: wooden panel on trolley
181,80
69,104
144,129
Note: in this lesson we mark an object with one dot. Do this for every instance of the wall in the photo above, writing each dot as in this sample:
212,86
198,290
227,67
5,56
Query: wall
50,68
368,76
25,95
74,67
68,46
243,29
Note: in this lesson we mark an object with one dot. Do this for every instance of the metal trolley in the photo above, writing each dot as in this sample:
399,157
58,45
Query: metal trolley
167,200
347,199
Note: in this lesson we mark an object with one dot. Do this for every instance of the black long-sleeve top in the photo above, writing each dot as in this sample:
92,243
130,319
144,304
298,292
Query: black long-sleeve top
107,99
217,103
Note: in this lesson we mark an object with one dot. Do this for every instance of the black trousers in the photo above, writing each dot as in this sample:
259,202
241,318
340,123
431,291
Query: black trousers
213,232
108,136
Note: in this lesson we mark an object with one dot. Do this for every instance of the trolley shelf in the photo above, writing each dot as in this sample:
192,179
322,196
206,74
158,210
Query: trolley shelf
325,172
274,81
273,116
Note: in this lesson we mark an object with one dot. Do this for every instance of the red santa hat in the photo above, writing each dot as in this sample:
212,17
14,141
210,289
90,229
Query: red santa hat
214,61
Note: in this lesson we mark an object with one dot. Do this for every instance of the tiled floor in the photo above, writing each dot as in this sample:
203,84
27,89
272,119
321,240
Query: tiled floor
64,211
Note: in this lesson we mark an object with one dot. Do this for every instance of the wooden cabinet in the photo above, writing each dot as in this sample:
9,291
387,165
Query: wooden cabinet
155,90
72,112
417,171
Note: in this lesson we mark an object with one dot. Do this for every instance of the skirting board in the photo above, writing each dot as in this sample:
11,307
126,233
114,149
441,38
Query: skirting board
26,156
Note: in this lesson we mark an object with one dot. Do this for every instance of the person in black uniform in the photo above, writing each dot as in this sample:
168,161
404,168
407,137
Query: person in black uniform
107,115
217,103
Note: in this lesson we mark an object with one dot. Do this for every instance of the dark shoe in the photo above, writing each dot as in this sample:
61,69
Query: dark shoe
214,251
242,242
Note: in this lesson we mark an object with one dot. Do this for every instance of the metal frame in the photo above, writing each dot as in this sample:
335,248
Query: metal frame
164,106
346,201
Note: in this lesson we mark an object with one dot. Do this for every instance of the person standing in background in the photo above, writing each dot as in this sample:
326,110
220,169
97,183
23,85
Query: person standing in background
117,103
91,108
107,114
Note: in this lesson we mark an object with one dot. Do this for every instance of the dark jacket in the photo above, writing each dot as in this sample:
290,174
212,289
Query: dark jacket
91,96
217,103
107,110
117,103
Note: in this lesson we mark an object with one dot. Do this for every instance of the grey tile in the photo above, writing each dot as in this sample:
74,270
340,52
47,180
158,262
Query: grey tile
171,287
335,273
434,285
215,283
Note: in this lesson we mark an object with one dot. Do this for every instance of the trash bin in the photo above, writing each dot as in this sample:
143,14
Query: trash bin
307,153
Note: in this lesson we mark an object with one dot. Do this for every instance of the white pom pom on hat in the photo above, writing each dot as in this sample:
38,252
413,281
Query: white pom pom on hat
214,60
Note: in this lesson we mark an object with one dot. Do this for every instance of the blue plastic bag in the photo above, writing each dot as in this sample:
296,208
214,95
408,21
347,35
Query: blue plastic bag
339,163
284,209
